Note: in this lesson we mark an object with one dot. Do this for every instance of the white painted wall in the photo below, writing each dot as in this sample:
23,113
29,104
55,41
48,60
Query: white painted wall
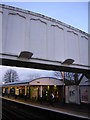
47,39
85,94
46,81
72,94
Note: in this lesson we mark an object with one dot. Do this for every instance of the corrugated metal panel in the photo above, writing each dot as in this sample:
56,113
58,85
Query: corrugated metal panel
46,38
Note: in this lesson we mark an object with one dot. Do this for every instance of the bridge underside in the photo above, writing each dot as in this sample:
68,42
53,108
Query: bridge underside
43,66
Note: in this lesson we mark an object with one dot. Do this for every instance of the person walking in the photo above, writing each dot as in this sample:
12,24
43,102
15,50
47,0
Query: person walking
52,98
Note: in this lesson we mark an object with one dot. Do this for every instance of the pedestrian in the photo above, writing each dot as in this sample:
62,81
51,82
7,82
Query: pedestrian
52,98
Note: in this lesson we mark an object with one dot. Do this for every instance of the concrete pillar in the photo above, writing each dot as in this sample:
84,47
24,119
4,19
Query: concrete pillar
3,91
41,97
29,92
15,92
25,93
25,90
8,91
40,91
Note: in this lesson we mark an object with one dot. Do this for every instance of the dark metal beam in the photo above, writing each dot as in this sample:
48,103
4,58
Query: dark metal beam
18,63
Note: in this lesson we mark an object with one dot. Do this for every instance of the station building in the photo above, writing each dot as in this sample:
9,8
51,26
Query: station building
35,89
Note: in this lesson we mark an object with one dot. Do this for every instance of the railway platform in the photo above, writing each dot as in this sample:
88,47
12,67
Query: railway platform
82,111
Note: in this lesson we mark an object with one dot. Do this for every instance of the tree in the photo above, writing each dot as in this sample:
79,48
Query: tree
73,78
11,76
69,78
57,74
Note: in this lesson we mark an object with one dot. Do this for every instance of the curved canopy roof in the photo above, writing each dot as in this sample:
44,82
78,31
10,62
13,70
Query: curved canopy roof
38,81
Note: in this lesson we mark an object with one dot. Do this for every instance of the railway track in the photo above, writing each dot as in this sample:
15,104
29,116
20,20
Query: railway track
13,111
10,112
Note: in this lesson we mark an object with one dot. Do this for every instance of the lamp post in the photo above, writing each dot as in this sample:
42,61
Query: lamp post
68,62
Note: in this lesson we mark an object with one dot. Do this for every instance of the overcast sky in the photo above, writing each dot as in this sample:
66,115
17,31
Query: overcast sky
25,74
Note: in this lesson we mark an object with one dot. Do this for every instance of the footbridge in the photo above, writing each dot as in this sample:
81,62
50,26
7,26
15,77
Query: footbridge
32,40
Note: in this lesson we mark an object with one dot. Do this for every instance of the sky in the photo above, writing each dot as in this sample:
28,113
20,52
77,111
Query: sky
26,74
72,13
